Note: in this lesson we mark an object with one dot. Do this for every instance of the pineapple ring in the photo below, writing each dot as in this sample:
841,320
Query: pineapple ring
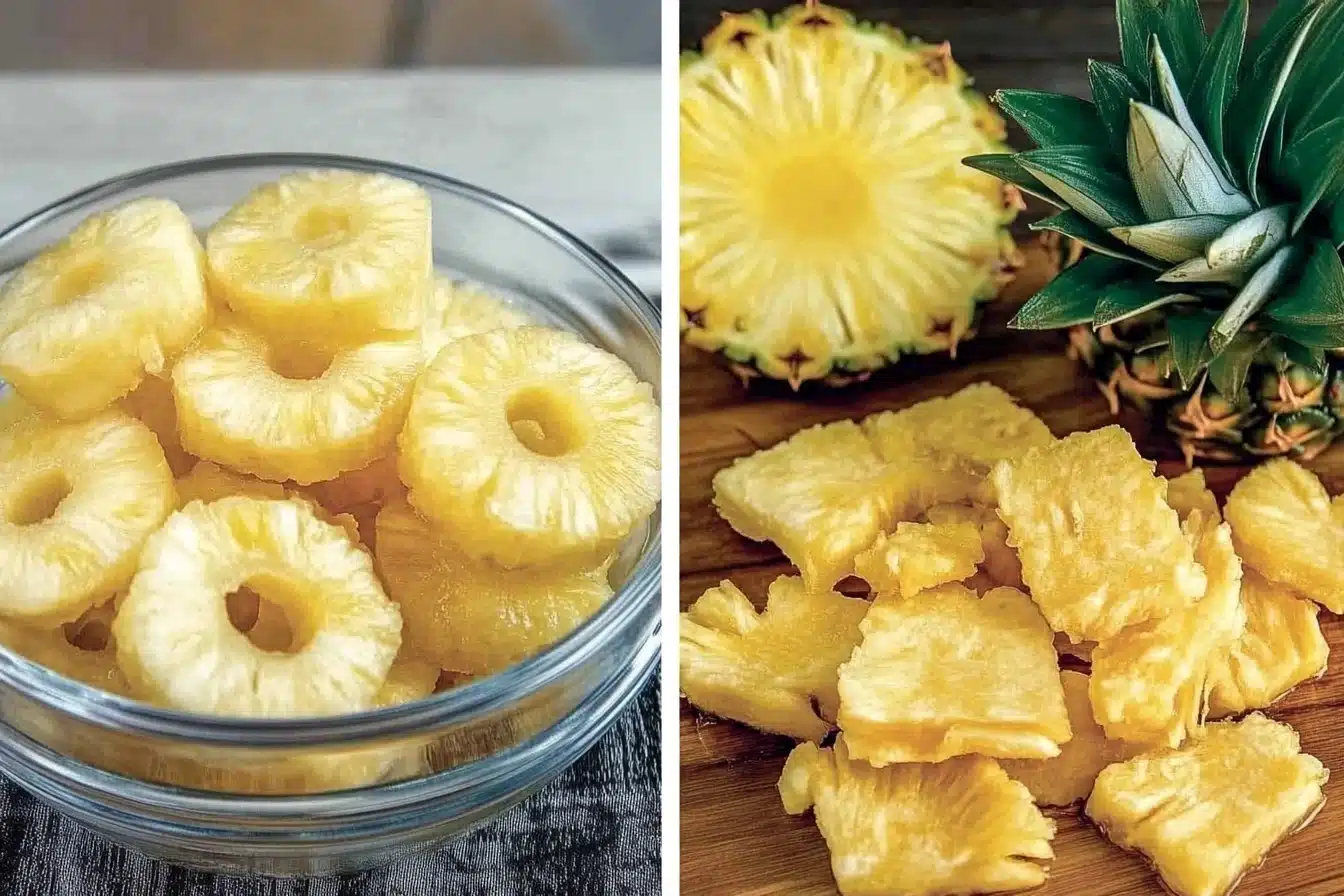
81,650
87,318
237,406
529,446
178,647
454,310
330,254
77,501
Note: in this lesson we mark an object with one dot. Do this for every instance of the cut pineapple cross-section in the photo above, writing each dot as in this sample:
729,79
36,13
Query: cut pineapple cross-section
1284,529
944,673
455,310
1100,547
1209,812
81,650
242,404
960,826
918,556
79,500
178,647
1068,777
774,670
86,319
331,255
1281,647
1000,563
530,446
471,615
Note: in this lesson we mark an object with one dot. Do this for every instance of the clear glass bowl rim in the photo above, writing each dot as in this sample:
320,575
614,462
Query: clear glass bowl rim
464,704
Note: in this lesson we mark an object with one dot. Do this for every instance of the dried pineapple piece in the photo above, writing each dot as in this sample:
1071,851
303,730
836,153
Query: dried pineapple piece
1188,492
1281,647
766,669
961,826
1100,548
1209,812
918,556
152,404
1286,530
1150,682
1000,563
1068,777
945,672
208,481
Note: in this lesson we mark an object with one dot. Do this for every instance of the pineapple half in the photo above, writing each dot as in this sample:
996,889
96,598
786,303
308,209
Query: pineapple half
1207,178
827,226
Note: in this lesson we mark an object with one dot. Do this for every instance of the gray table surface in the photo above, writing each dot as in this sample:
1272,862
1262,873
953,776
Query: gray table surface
581,147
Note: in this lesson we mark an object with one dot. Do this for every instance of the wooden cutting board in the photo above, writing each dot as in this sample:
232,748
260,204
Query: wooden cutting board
735,838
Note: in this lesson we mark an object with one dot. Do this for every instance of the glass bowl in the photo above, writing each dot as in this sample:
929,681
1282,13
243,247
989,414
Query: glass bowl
443,765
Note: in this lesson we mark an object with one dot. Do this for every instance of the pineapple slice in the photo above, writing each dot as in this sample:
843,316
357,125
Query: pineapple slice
81,650
471,615
85,320
333,255
455,310
918,556
1188,492
1209,812
1100,548
78,503
1068,777
279,414
152,404
774,670
1000,564
1285,529
1150,683
944,673
960,826
530,446
208,482
177,646
1281,648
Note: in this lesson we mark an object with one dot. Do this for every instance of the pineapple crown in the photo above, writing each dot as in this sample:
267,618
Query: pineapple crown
1207,178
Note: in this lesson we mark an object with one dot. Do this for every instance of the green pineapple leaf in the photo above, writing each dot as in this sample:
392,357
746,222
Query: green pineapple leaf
1217,77
1131,298
1330,336
1172,176
1070,298
1052,119
1166,88
1296,353
1337,222
1188,336
1314,164
1082,177
1177,23
1262,286
1003,166
1251,240
1112,92
1316,93
1228,371
1072,224
1197,270
1318,297
1177,239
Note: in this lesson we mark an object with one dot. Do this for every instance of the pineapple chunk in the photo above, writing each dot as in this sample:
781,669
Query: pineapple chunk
1285,529
919,556
1068,777
1209,812
473,616
1150,683
1281,648
822,496
1000,563
1188,492
455,310
1100,548
945,672
960,826
774,670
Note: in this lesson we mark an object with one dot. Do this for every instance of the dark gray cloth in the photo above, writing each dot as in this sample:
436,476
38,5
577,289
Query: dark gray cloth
595,830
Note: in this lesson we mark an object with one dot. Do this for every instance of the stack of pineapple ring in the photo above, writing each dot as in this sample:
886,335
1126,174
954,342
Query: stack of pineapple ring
291,472
1050,622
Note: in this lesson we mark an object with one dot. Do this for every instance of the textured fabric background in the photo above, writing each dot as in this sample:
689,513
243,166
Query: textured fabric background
595,830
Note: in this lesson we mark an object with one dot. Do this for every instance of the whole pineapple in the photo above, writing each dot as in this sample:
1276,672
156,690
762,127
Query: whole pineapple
1207,178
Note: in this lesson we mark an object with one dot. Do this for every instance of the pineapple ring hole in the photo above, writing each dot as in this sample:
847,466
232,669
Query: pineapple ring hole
546,421
300,365
38,499
81,278
323,227
265,622
92,635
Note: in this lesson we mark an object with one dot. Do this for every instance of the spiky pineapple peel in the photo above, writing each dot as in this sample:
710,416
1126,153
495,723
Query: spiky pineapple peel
1207,178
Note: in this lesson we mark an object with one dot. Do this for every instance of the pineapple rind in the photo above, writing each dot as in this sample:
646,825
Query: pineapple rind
918,556
1100,548
454,310
945,673
774,670
1209,812
960,826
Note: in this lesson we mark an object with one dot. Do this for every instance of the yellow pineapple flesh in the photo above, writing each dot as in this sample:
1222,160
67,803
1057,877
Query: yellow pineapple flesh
360,494
1100,548
775,669
1000,563
207,481
529,446
79,502
1206,814
945,673
918,556
152,404
1188,492
1285,529
86,319
81,650
471,615
457,309
331,255
960,826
